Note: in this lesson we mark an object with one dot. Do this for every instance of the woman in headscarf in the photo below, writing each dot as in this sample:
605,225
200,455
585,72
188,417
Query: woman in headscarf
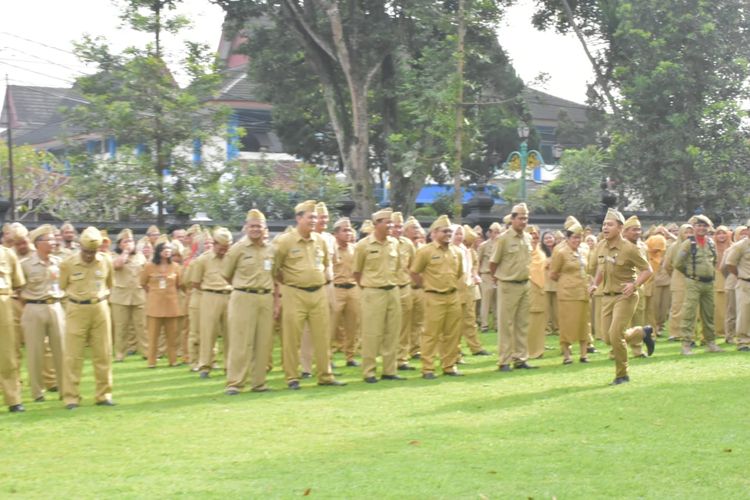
537,297
677,283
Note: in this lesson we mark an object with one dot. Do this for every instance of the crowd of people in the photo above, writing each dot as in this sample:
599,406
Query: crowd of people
388,298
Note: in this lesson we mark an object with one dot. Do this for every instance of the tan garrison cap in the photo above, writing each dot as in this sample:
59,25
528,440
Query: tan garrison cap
255,214
18,231
222,236
495,227
703,219
575,228
440,222
470,236
305,206
41,231
520,209
321,208
385,213
613,214
152,231
397,218
342,222
366,227
91,238
632,221
506,220
412,221
570,221
124,234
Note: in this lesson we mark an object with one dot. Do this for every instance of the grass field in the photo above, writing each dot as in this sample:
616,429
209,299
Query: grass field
680,429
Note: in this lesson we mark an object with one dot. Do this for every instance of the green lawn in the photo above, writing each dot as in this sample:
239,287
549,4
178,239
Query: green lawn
681,428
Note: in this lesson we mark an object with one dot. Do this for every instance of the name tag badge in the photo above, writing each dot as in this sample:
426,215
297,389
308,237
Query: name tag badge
98,273
267,264
3,283
162,283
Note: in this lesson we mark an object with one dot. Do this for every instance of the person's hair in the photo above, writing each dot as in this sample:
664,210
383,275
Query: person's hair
546,250
568,234
156,258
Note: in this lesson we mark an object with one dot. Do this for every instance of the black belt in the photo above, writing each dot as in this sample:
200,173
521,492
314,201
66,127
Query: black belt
743,279
86,302
43,301
220,292
345,286
403,286
387,287
609,294
701,279
447,292
307,288
517,282
259,291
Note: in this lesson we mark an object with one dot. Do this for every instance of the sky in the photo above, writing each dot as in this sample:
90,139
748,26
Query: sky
36,42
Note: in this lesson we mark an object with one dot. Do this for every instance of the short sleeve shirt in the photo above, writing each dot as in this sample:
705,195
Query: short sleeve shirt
86,281
512,256
441,267
571,266
42,278
739,256
127,289
378,262
207,271
301,262
343,265
249,265
619,261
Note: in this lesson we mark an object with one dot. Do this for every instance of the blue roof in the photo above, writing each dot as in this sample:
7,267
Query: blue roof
430,192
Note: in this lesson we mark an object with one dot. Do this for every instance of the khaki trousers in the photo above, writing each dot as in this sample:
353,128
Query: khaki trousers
442,331
742,329
307,346
213,323
617,312
676,314
469,319
10,381
194,324
730,318
129,323
720,312
698,295
489,299
551,298
345,312
638,319
417,321
513,322
300,308
381,327
43,322
170,326
87,323
537,322
596,318
407,323
660,301
251,339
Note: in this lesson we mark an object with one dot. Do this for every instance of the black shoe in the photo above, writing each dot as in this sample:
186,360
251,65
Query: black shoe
16,408
417,356
648,339
481,353
71,406
392,377
453,374
505,368
485,329
591,349
40,399
371,380
204,374
52,389
232,391
352,362
261,389
620,380
429,376
106,402
306,375
524,366
584,360
744,348
405,368
293,385
567,361
334,383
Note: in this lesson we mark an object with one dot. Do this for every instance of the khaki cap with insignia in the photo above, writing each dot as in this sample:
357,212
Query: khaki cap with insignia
440,222
570,221
342,222
575,228
366,227
305,206
615,215
412,221
520,209
632,221
91,238
255,214
703,219
385,213
470,236
397,218
506,219
42,230
125,234
222,236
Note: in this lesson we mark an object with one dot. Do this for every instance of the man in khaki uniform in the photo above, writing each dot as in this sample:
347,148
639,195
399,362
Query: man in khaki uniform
247,266
438,268
128,298
737,264
463,238
621,269
86,278
632,231
300,261
376,269
23,249
488,287
696,259
510,267
406,251
11,278
206,275
676,284
69,245
346,305
43,318
414,233
722,238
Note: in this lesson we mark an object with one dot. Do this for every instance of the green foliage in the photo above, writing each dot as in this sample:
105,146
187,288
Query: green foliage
426,211
443,204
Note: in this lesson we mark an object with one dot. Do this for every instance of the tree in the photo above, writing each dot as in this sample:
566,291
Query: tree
134,97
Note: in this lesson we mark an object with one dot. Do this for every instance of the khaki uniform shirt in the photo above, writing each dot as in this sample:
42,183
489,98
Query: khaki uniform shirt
343,265
128,290
301,262
11,274
512,256
701,265
378,262
86,281
739,255
163,298
486,249
207,270
571,267
406,253
42,279
247,265
441,267
619,261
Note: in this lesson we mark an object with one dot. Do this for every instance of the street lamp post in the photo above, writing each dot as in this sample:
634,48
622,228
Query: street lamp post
522,156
